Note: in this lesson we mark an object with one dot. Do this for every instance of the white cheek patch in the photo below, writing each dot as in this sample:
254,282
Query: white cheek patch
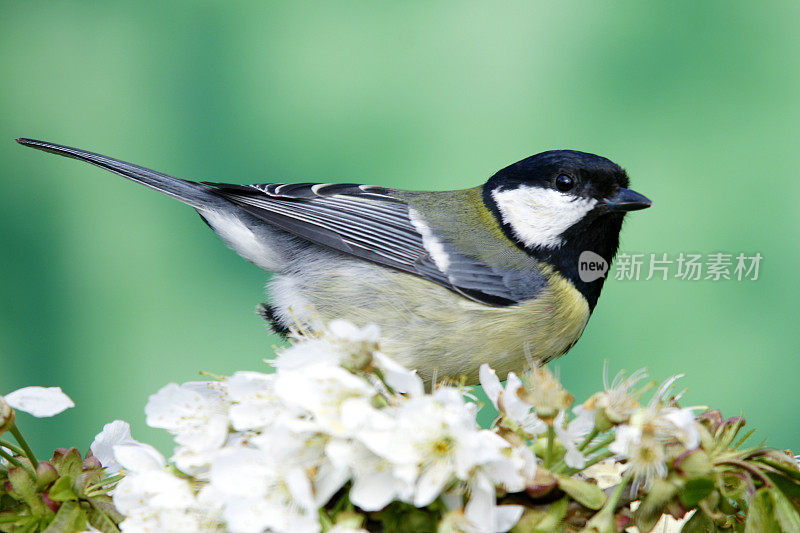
538,217
431,243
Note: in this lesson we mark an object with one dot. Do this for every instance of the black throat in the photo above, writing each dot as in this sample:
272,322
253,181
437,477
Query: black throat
598,234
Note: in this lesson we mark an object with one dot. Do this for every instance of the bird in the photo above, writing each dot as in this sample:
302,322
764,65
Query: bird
454,279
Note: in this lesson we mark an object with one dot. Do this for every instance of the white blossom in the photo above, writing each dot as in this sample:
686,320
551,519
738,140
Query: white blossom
41,402
508,401
194,412
435,439
323,391
254,403
618,400
398,377
347,331
573,434
260,452
114,433
642,440
261,492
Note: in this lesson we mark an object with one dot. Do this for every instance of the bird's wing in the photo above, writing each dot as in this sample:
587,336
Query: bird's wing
370,223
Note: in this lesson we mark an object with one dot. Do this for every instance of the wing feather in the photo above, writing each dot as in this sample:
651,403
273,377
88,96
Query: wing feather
368,222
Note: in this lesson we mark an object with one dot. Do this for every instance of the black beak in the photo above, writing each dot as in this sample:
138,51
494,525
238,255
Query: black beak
625,200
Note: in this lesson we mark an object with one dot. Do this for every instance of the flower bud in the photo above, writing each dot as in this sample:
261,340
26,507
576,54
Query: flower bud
543,483
711,420
693,463
6,416
545,393
51,503
349,519
601,420
91,463
453,522
45,474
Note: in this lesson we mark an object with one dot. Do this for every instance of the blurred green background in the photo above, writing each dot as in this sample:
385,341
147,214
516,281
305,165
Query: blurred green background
111,290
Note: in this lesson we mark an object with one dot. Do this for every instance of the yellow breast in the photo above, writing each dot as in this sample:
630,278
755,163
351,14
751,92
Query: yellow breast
440,333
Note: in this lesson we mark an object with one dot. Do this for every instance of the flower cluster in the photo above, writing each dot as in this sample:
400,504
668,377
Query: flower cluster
340,438
337,425
67,493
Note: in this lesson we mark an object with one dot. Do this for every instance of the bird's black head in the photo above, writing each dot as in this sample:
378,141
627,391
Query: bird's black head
559,204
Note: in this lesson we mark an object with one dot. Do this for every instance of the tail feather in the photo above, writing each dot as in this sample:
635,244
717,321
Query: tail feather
194,194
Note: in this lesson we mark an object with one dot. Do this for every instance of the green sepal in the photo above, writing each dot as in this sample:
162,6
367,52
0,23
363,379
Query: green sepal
66,519
104,505
784,466
87,478
13,517
69,464
23,488
652,507
695,490
586,493
528,522
553,519
694,463
62,490
101,522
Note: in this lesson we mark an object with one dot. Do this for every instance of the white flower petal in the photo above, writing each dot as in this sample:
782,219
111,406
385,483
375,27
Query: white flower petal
625,436
113,433
684,421
513,406
248,514
506,517
490,383
480,509
373,491
151,491
398,377
300,489
431,482
139,457
573,458
240,472
327,482
348,331
40,402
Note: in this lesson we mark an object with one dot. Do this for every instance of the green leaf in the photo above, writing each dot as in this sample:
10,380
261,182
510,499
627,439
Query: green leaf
65,519
788,486
761,514
62,490
695,490
587,494
650,510
786,514
698,523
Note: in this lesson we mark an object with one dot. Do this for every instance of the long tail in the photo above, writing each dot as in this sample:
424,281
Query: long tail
196,195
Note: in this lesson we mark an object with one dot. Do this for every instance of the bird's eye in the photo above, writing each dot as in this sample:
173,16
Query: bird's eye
565,182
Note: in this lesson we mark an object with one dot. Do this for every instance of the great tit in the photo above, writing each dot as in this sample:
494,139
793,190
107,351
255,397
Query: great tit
453,278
